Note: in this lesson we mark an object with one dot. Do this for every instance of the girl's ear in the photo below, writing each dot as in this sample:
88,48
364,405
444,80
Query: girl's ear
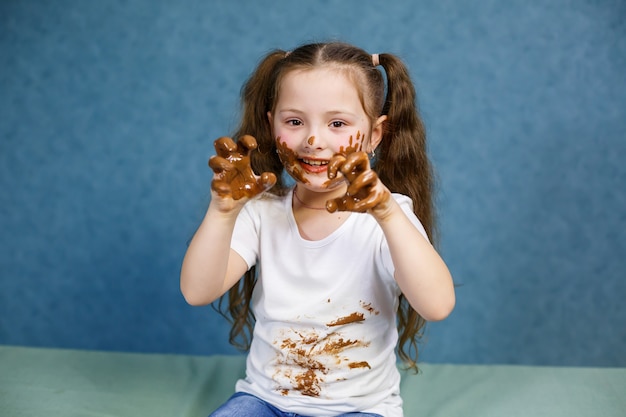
377,133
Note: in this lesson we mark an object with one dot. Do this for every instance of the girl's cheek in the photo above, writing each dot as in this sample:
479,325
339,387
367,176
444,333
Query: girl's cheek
285,153
290,160
355,144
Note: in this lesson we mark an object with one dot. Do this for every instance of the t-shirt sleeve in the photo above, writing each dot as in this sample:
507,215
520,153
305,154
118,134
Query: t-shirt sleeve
407,207
245,240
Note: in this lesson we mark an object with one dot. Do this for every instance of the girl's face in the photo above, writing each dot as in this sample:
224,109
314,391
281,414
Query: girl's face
318,113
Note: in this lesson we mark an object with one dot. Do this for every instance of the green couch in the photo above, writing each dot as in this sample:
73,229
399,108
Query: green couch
67,383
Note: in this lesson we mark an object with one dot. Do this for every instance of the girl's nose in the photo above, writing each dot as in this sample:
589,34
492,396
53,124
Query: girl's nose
314,141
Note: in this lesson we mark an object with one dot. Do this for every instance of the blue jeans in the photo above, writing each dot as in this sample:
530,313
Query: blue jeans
246,405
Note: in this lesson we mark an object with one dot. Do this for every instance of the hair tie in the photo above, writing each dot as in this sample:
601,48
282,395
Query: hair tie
375,60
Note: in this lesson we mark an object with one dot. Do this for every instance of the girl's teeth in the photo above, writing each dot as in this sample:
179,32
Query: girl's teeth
315,163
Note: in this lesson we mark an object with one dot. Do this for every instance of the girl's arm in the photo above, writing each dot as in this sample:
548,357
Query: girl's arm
420,272
210,266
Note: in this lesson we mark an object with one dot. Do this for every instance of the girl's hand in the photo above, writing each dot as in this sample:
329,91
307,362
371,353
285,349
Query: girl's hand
365,191
234,178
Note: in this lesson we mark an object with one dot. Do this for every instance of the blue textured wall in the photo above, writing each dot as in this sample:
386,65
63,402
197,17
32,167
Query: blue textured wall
108,111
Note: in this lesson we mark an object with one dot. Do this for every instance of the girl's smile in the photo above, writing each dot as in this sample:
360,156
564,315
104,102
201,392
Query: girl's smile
319,113
314,166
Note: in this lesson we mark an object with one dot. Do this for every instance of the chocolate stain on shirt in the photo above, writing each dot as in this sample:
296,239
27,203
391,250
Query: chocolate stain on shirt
304,356
369,308
363,364
352,318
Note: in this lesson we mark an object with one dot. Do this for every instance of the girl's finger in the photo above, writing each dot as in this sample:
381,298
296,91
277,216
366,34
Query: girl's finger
356,163
334,164
219,164
361,183
224,146
371,201
333,205
246,143
267,180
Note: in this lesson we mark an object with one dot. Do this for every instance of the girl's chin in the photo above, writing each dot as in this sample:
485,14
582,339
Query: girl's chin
323,185
317,181
318,184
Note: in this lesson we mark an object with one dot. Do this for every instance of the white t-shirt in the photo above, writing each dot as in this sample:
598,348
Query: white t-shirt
325,334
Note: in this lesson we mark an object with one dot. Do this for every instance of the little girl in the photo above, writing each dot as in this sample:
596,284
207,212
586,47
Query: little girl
337,270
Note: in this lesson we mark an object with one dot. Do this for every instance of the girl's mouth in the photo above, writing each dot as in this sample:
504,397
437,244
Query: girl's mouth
314,166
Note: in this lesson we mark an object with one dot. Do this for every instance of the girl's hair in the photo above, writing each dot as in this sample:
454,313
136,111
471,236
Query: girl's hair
402,163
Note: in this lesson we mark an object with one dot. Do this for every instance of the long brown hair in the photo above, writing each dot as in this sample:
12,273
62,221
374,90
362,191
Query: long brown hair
402,163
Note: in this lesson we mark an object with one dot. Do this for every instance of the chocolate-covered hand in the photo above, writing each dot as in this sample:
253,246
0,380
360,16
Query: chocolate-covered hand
233,174
365,191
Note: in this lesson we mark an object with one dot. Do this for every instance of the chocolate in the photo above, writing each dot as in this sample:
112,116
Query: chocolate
361,194
233,173
352,318
289,159
353,146
362,364
368,307
305,355
353,164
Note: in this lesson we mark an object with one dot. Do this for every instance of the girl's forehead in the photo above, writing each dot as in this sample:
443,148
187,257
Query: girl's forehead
318,79
318,90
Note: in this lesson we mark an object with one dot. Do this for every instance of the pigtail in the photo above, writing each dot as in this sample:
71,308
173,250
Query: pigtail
403,166
257,96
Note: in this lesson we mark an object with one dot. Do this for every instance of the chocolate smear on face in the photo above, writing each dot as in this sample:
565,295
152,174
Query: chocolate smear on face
290,161
353,145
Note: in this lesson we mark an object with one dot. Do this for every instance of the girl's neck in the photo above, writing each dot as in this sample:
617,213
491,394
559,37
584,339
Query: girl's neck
312,200
303,204
313,220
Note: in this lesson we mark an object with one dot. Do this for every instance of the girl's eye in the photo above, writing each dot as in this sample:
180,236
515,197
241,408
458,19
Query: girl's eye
294,122
337,123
